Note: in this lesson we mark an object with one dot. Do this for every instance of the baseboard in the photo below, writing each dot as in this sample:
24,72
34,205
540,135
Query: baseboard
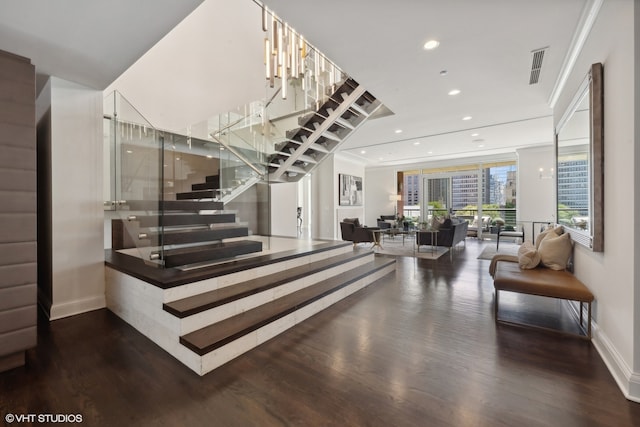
627,380
71,308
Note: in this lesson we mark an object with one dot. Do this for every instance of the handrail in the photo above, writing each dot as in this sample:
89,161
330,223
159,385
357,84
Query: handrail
238,155
230,125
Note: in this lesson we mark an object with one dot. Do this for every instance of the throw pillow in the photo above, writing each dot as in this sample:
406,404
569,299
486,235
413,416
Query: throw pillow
555,251
549,232
528,256
435,223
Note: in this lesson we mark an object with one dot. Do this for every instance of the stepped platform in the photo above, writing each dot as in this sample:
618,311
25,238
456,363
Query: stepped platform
207,316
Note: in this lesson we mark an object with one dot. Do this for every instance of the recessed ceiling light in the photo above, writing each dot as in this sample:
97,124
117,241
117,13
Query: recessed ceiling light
475,134
209,156
454,92
430,152
177,158
363,152
380,158
416,143
431,44
129,151
467,118
481,145
398,130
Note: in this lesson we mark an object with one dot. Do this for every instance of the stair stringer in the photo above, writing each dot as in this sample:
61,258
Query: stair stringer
348,102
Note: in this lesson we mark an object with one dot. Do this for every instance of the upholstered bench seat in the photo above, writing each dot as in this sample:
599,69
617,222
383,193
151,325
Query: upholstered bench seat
508,276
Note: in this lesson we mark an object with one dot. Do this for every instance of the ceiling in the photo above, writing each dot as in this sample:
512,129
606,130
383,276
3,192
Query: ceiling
485,49
104,37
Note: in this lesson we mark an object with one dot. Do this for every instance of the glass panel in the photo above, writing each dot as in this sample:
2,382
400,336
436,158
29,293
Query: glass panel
135,183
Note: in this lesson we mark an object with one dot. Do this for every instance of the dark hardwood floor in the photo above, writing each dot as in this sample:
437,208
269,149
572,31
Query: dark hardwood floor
418,348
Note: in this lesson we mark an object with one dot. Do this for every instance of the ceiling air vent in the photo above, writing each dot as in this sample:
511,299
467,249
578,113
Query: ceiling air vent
536,64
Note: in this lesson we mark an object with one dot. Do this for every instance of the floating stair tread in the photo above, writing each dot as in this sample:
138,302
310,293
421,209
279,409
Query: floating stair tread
192,305
184,219
205,186
203,194
197,235
174,205
215,336
212,252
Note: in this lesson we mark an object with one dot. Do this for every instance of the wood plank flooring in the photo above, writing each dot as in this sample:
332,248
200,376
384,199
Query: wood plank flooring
418,348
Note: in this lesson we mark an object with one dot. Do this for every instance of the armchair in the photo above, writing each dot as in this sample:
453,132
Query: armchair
352,231
509,233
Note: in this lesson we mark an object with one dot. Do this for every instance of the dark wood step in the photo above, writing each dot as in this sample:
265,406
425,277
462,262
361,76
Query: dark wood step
184,219
215,336
203,194
208,300
212,178
205,186
198,235
213,252
174,205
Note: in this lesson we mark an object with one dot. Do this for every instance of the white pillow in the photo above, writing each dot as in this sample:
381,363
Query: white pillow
528,256
549,232
555,251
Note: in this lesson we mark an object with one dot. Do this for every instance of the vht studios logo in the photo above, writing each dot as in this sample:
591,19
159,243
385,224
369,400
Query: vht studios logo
43,418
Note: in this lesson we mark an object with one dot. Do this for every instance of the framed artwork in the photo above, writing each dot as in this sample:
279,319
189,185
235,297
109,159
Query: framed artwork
349,190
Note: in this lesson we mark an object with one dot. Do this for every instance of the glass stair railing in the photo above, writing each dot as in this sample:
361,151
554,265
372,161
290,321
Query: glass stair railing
166,191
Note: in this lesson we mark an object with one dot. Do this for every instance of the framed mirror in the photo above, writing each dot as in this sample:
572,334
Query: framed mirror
580,163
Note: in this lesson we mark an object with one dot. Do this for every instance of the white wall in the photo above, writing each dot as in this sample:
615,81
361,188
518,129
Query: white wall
325,210
611,274
209,64
77,205
379,184
536,196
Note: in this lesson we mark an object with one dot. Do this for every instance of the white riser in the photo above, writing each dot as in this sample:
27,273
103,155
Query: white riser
196,288
228,352
208,317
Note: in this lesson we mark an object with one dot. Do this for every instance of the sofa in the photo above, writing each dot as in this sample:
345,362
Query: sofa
451,232
386,221
353,231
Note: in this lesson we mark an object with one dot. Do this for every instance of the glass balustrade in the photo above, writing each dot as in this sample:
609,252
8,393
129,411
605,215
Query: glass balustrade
148,170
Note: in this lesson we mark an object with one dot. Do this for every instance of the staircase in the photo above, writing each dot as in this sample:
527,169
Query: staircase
191,229
209,322
321,132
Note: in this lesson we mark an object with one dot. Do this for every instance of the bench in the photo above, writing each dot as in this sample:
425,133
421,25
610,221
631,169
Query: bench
508,276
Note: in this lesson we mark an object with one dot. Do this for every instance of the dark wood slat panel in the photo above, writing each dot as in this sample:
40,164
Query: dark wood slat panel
20,158
17,340
18,253
215,336
18,317
17,180
18,114
17,201
13,135
17,227
18,296
19,274
198,303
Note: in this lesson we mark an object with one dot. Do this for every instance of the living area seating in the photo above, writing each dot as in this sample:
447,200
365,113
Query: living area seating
483,224
450,233
386,221
504,232
541,269
352,231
